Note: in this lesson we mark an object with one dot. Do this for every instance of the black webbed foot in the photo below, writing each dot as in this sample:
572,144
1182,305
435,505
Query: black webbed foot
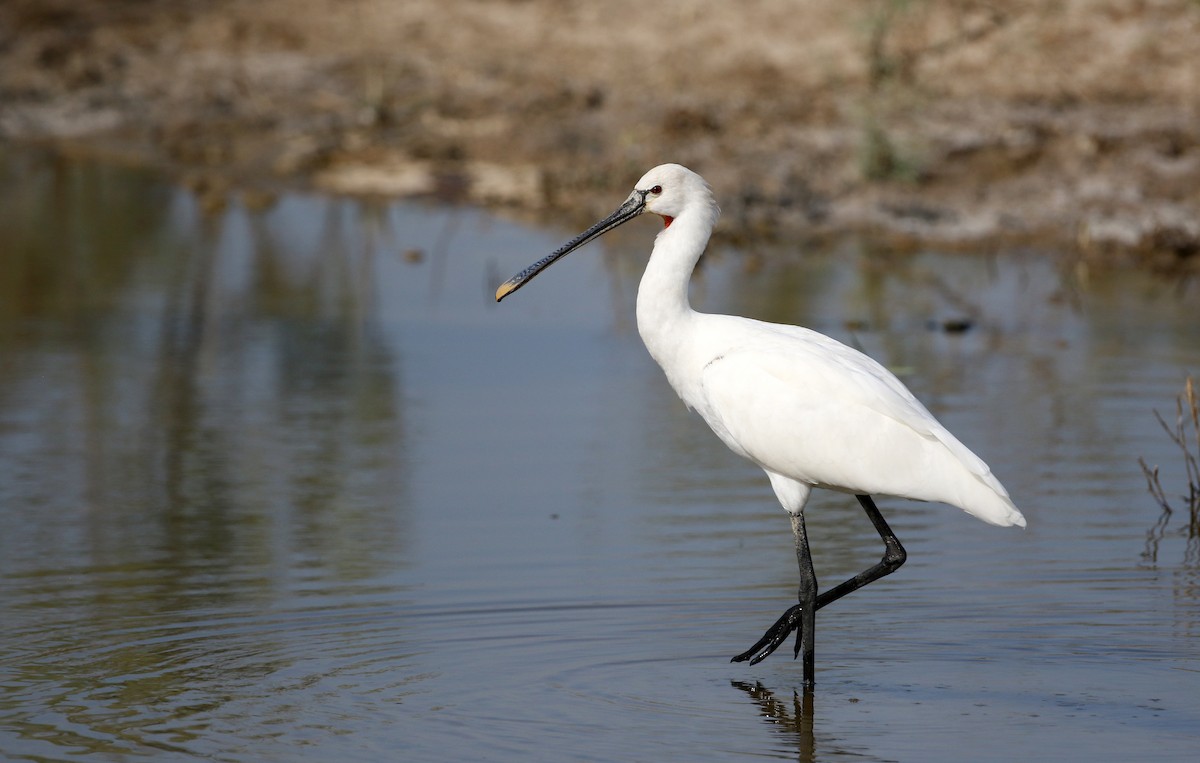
775,635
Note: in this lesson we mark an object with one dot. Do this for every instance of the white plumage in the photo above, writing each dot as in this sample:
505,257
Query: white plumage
807,409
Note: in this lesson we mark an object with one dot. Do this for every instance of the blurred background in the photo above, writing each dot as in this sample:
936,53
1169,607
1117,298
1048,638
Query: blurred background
1071,122
280,481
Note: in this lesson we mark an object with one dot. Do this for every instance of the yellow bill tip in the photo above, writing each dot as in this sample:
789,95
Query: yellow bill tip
504,290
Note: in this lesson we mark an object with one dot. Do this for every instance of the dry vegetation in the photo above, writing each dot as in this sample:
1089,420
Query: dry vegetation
1073,124
1187,417
1184,431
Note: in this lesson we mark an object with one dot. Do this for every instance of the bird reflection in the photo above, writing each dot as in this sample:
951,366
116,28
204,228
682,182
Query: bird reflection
794,721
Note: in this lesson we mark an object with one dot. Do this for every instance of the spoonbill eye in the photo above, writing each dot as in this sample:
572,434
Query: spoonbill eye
656,190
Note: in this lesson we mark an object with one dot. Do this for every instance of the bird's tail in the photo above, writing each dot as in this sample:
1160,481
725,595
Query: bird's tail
982,496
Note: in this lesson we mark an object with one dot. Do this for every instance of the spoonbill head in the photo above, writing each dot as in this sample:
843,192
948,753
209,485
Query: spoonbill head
668,191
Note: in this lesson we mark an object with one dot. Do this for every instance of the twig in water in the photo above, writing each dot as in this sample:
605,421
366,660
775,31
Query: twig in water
1187,414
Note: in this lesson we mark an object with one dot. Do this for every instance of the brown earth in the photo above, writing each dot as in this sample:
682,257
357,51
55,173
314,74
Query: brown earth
1072,124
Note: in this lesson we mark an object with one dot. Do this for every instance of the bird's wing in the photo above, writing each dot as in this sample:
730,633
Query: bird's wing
813,371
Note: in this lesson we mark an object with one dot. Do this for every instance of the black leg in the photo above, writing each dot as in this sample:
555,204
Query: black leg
799,617
806,634
893,556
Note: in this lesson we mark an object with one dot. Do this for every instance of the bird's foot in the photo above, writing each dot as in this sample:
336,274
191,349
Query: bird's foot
775,635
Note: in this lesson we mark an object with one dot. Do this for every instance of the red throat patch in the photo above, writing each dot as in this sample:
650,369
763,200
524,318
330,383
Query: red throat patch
667,221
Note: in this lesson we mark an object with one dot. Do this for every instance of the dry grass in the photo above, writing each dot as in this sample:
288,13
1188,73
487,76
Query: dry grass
1184,431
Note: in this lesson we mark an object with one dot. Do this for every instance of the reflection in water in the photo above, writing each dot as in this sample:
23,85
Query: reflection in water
284,484
1191,552
188,354
794,723
197,419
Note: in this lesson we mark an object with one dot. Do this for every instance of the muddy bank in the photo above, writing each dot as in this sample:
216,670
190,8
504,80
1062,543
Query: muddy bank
1074,125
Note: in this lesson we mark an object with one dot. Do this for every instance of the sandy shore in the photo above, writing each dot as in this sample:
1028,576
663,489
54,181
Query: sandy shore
1071,125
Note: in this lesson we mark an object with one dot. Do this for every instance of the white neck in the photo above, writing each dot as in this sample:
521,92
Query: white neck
663,310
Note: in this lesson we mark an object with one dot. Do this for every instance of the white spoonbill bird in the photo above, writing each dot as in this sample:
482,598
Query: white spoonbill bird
808,410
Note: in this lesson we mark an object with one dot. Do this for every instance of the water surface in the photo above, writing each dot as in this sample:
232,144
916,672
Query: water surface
283,483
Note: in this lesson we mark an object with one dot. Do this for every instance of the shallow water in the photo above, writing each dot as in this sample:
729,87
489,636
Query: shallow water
287,485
